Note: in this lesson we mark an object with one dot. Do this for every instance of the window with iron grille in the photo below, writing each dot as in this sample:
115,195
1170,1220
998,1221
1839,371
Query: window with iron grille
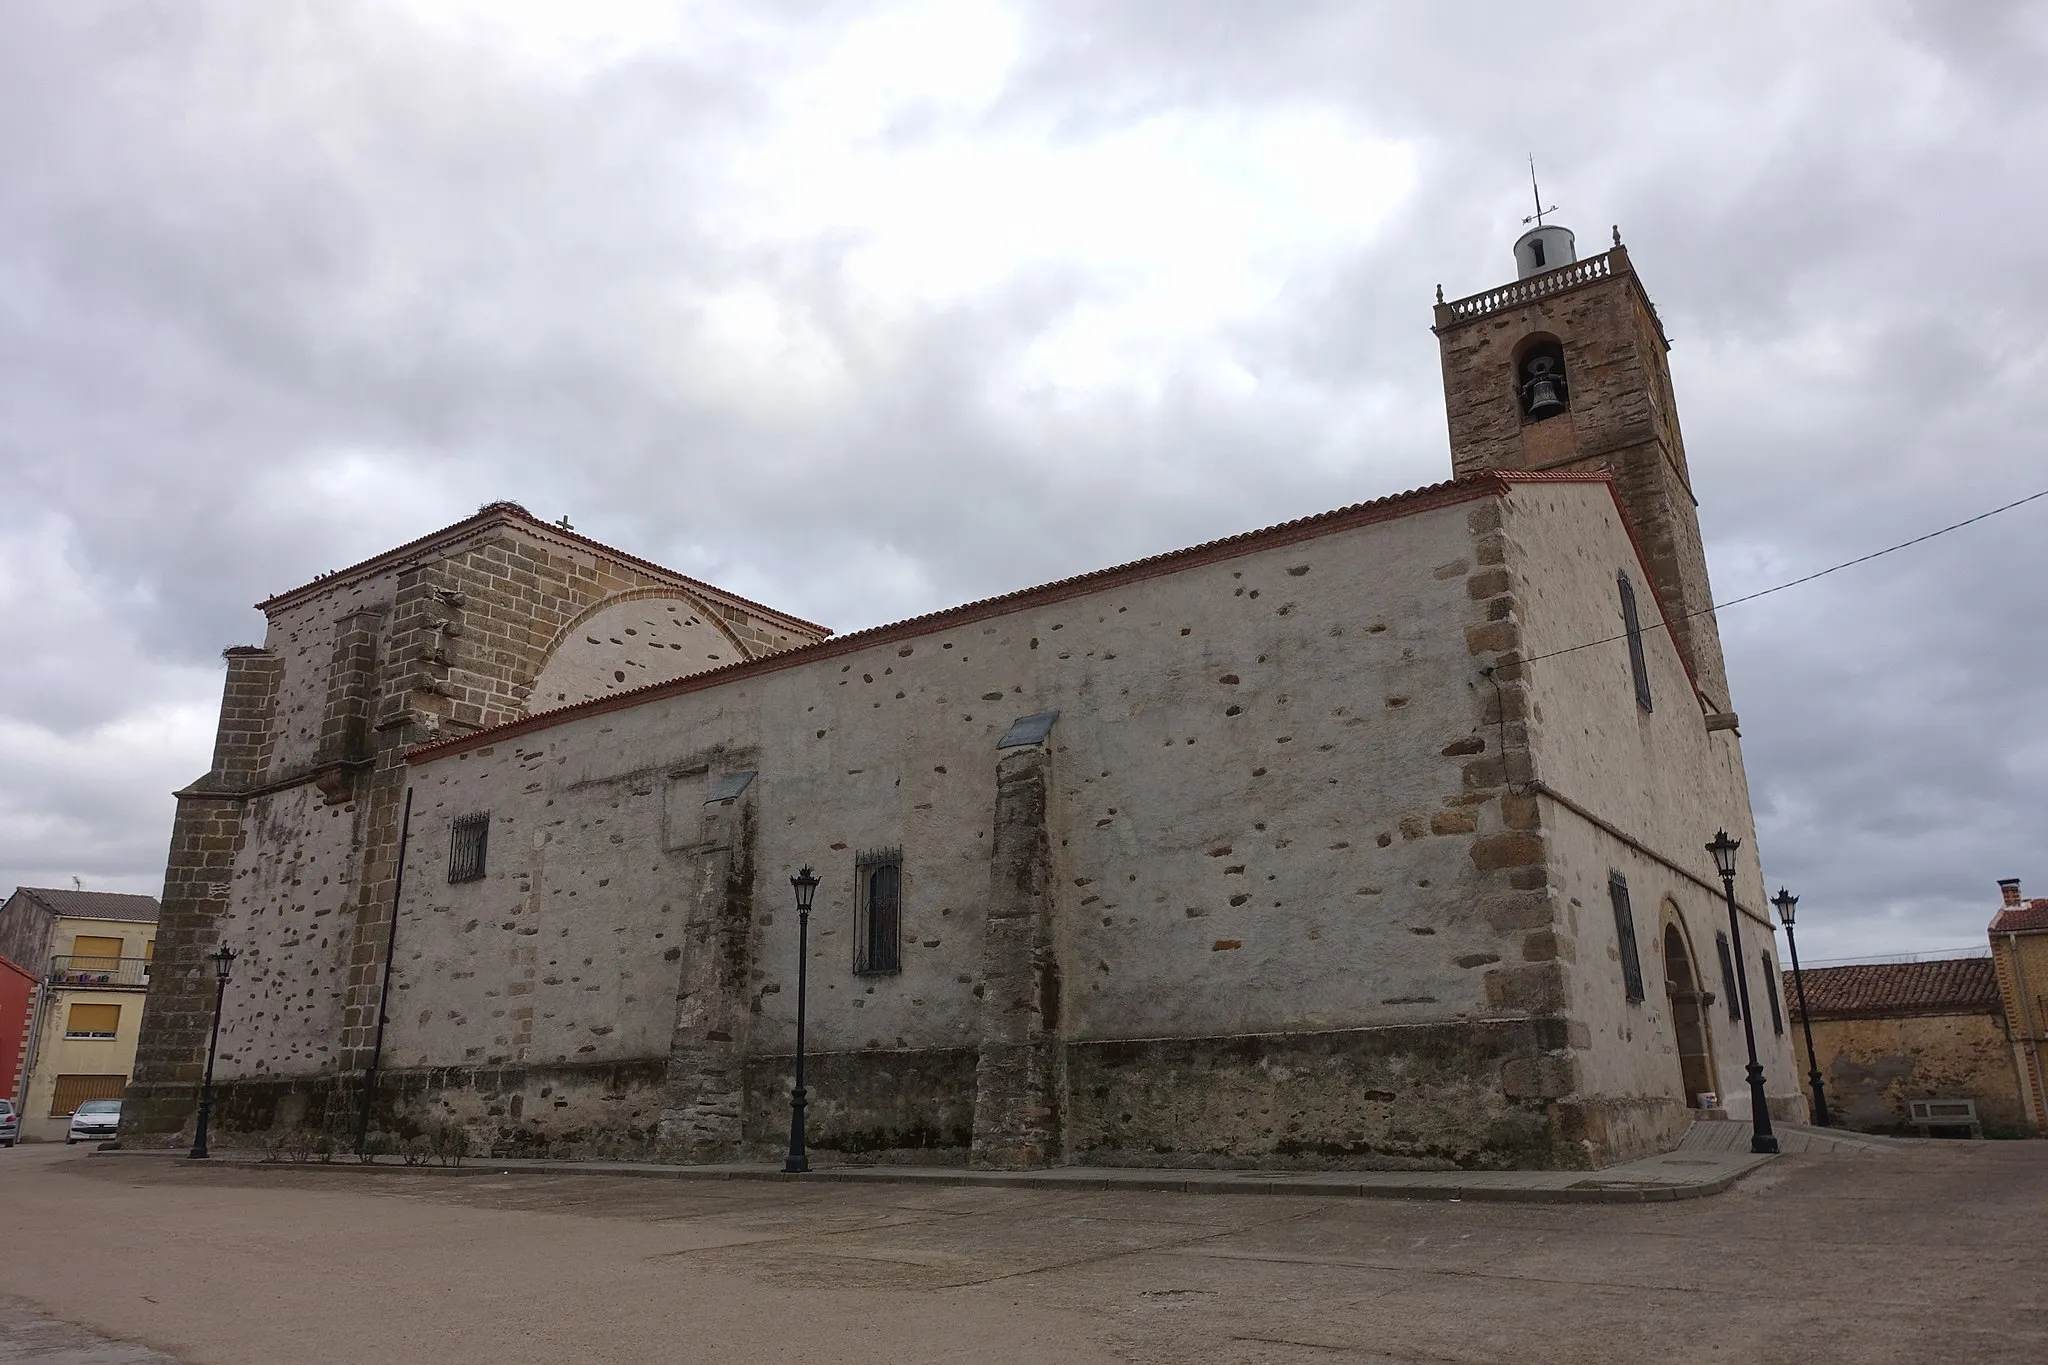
1771,990
1637,663
1728,977
878,932
1625,932
468,838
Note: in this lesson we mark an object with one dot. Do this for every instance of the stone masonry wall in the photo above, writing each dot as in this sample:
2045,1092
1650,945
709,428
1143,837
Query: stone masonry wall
1874,1068
1281,811
287,849
1623,419
1660,777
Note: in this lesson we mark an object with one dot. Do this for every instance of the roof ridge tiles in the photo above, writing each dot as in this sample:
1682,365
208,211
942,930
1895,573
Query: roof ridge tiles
1948,985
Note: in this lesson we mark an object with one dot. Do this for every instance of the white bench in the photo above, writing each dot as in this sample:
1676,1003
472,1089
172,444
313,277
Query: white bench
1942,1118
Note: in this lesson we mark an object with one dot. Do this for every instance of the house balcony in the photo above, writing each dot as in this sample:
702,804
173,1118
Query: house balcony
68,969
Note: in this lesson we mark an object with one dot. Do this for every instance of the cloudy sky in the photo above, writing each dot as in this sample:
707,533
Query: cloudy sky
868,308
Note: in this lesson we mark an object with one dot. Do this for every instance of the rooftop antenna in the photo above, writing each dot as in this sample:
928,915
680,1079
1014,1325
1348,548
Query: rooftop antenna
1537,194
77,882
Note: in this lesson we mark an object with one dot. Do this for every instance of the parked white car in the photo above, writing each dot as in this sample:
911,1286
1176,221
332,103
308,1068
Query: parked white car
94,1121
10,1124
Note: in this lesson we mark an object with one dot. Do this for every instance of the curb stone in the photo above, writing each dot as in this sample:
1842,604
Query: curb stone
1610,1187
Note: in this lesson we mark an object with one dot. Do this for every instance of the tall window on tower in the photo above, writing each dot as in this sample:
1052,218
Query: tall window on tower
1632,623
878,932
1540,380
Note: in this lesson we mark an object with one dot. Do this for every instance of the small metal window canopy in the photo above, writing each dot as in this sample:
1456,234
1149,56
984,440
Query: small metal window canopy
1638,664
1028,730
469,837
878,917
728,788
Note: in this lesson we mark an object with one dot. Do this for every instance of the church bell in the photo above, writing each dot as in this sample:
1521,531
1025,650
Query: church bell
1541,389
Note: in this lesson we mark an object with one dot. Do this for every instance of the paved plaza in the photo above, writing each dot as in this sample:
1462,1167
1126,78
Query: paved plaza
1920,1251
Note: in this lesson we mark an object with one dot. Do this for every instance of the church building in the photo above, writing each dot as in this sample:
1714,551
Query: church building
1373,839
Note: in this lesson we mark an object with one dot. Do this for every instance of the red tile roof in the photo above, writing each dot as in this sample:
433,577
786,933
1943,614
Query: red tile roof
1950,985
1389,508
94,904
2021,919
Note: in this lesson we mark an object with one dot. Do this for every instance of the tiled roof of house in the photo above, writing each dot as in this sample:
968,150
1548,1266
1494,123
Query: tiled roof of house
2020,919
94,904
1950,985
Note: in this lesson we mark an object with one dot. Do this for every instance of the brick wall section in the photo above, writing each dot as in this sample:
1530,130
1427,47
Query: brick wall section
243,744
2021,961
17,1012
376,885
704,1082
1018,1108
1623,419
26,929
206,836
351,685
471,631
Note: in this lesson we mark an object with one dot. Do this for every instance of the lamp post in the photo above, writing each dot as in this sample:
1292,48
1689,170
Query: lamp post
1761,1138
1786,903
806,886
223,962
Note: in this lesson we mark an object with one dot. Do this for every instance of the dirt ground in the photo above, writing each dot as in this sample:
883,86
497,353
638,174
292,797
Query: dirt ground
1934,1254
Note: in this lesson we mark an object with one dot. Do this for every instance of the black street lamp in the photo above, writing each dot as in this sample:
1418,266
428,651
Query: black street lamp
223,961
1761,1138
806,887
1786,903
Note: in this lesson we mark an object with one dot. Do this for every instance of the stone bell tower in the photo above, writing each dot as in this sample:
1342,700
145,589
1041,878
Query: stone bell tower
1566,369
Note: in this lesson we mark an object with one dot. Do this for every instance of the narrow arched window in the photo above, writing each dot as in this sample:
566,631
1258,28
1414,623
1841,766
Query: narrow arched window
1631,622
1625,935
878,940
1729,987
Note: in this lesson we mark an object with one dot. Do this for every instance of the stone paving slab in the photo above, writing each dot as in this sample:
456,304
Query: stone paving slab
1684,1174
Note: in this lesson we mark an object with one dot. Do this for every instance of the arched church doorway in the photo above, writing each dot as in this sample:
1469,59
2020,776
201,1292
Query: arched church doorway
1688,1016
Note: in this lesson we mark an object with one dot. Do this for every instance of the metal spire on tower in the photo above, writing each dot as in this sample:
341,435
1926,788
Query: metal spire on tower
1537,194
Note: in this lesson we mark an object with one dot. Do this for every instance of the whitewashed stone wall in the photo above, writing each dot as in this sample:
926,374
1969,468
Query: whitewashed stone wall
1258,830
1662,778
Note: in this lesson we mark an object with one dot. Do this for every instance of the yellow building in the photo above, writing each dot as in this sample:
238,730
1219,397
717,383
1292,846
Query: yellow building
2019,948
1894,1038
92,951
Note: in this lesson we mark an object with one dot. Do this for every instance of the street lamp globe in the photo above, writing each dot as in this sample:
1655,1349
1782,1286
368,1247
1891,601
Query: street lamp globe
1723,848
806,884
1786,903
223,963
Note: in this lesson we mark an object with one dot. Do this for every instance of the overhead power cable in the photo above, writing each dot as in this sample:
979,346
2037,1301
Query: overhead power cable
1823,573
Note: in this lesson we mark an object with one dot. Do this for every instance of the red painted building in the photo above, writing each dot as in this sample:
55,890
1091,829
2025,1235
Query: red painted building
17,1004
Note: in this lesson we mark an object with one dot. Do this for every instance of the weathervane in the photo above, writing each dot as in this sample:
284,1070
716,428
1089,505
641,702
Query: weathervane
1536,217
